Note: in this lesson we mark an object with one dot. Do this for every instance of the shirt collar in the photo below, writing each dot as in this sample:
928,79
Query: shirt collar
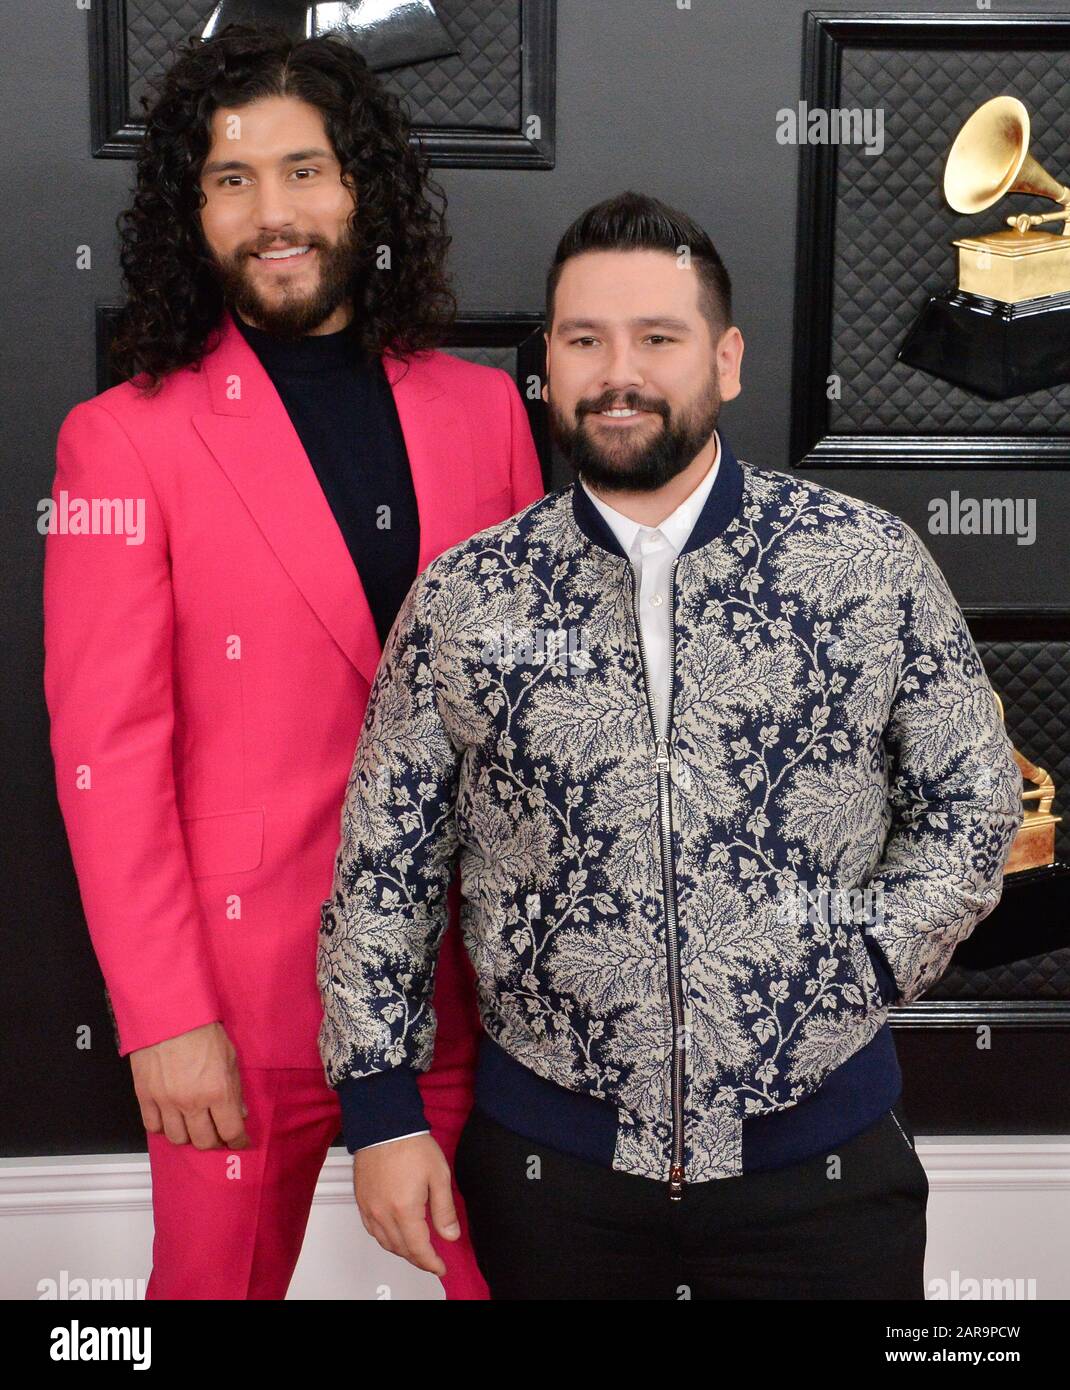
676,527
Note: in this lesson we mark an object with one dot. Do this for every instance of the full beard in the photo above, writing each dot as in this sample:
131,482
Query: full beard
296,313
625,465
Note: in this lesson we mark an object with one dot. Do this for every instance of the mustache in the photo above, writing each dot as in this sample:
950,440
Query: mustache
611,400
272,243
289,241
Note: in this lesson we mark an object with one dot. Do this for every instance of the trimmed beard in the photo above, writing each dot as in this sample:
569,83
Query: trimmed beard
295,315
627,467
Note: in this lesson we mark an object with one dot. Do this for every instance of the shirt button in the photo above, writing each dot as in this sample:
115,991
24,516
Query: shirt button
657,601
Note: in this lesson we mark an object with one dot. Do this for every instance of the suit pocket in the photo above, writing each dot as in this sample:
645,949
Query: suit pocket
907,1140
228,842
918,1179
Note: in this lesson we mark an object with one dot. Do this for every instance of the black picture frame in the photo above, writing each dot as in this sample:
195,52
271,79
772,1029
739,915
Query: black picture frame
117,132
520,330
813,444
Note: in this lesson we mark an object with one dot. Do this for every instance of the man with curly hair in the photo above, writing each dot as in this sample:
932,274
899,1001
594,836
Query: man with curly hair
301,451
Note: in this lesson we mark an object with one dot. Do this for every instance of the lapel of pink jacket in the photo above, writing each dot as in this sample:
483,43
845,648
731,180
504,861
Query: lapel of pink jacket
253,440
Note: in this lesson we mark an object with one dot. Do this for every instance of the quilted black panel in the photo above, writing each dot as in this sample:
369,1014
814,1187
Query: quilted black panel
476,89
894,231
1037,977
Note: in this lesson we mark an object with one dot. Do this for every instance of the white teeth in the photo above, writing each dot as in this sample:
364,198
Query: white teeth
281,255
618,414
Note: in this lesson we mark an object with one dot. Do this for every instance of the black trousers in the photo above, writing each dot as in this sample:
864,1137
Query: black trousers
545,1225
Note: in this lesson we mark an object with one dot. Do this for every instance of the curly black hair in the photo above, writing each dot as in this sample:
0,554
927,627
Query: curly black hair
174,296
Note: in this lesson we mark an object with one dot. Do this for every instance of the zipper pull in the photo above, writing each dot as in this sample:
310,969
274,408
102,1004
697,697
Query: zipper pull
661,762
676,1182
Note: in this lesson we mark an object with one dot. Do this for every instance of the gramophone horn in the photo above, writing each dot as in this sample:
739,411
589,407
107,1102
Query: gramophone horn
990,157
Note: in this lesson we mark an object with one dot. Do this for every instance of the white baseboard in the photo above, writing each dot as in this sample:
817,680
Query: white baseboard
999,1211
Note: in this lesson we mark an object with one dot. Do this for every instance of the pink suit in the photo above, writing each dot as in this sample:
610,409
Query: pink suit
206,689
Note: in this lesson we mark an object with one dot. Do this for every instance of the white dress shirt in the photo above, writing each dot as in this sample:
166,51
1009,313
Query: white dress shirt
652,552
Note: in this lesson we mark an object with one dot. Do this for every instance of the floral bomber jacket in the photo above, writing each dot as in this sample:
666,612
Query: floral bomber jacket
636,908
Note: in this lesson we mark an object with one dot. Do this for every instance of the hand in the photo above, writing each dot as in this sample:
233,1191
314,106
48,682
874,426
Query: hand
188,1087
393,1184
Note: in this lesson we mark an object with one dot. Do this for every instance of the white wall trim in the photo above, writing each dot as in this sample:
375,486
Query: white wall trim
1039,1163
999,1206
117,1182
94,1182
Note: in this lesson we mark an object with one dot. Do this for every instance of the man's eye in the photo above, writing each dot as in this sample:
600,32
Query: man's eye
306,171
662,337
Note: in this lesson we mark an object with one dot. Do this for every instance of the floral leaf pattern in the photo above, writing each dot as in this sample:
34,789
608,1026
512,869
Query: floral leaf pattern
832,728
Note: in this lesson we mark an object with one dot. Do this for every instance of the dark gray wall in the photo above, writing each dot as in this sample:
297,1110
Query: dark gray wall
679,103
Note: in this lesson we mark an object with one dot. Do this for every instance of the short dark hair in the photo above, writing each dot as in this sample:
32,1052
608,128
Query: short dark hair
636,222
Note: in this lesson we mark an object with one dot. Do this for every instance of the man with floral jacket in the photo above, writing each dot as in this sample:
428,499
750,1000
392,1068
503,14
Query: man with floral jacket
726,780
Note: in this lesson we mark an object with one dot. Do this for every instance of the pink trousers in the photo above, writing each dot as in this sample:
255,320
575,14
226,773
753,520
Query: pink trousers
229,1224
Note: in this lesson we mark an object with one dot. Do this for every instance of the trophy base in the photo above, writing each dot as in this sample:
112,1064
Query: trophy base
991,347
1034,845
1013,266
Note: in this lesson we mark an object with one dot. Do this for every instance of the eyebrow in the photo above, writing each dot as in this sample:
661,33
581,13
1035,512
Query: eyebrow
219,166
571,325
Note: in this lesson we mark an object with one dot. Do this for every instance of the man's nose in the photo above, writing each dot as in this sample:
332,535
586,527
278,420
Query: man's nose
274,208
621,373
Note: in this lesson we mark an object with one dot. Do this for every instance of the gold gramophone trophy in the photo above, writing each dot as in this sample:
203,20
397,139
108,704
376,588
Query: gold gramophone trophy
1034,845
1006,329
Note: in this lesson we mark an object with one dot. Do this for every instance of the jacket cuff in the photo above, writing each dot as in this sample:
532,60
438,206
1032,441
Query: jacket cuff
385,1105
886,985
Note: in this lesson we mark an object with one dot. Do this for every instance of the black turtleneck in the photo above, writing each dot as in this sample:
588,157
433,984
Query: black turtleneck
342,407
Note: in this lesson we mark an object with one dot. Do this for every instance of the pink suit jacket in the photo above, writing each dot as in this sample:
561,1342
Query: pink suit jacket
206,688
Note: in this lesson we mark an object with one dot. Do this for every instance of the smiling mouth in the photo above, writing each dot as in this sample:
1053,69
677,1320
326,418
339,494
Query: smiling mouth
621,413
284,255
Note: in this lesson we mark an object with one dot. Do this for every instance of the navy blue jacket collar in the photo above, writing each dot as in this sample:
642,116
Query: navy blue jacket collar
720,507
